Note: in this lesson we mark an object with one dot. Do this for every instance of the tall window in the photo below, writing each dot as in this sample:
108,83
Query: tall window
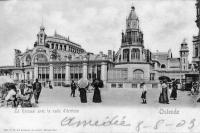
28,60
138,74
135,54
17,62
196,52
126,55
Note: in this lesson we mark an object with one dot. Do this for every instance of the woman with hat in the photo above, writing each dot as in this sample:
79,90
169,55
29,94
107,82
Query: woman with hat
165,92
144,92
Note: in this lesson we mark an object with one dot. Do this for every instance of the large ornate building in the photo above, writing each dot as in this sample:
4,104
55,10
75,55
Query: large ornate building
58,59
135,64
196,39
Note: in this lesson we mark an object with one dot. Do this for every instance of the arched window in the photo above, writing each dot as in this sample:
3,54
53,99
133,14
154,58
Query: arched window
196,52
17,62
126,55
52,46
28,60
138,74
163,66
28,75
120,58
135,54
40,58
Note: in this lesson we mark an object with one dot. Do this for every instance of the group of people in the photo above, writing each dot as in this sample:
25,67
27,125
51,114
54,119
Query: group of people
22,95
166,88
96,84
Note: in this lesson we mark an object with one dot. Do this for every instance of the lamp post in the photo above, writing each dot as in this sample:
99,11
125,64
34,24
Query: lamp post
88,61
23,69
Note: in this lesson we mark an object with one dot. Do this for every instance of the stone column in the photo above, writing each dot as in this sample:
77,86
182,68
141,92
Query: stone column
130,60
35,72
51,72
104,72
85,70
67,73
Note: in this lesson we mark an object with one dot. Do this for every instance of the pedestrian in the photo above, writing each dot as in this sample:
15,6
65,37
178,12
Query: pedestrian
73,88
22,87
165,92
144,92
97,94
83,84
50,85
37,87
174,90
161,98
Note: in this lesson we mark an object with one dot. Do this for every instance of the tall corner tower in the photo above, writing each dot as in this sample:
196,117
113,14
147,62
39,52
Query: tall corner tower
198,15
132,48
184,53
41,36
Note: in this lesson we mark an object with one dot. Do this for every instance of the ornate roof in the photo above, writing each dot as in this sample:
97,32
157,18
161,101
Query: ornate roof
132,15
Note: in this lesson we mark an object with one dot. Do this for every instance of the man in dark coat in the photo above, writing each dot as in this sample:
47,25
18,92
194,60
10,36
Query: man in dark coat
174,90
37,87
73,88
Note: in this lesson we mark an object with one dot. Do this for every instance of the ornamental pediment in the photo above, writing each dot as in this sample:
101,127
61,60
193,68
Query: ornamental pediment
41,50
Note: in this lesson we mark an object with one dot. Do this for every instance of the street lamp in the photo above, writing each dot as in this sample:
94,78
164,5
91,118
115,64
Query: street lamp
23,69
88,59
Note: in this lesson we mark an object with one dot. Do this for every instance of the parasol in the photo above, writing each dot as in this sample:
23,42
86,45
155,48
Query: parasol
83,83
165,78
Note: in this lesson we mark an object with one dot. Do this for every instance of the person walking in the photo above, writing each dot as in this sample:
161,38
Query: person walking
174,90
165,92
144,92
73,88
83,84
97,95
37,87
22,87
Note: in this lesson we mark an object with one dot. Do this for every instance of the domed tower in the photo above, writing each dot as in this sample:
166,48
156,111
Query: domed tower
196,39
184,52
132,40
198,15
41,36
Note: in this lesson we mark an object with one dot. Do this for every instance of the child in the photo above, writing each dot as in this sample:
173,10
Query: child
144,92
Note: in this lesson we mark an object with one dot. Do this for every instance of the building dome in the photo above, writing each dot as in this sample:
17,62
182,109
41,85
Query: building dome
132,15
42,27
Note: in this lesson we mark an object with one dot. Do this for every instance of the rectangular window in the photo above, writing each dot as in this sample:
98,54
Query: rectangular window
152,76
120,85
113,86
134,85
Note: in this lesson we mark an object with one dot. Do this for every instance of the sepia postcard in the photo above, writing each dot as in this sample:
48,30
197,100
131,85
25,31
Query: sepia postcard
99,66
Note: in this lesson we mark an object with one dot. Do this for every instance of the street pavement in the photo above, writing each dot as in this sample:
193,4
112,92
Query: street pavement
60,96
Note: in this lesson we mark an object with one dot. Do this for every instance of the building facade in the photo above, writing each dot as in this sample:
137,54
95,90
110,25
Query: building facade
196,39
59,60
135,64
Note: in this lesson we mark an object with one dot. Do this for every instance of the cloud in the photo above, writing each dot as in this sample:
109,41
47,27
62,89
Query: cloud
95,24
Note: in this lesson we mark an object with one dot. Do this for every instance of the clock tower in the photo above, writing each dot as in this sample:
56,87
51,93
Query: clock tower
41,36
133,34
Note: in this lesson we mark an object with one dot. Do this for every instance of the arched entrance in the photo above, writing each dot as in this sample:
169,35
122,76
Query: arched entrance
43,69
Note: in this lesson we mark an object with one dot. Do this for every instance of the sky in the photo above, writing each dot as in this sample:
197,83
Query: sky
96,24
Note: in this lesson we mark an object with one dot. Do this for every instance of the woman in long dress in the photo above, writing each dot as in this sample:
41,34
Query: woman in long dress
144,92
83,84
165,92
97,95
174,91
